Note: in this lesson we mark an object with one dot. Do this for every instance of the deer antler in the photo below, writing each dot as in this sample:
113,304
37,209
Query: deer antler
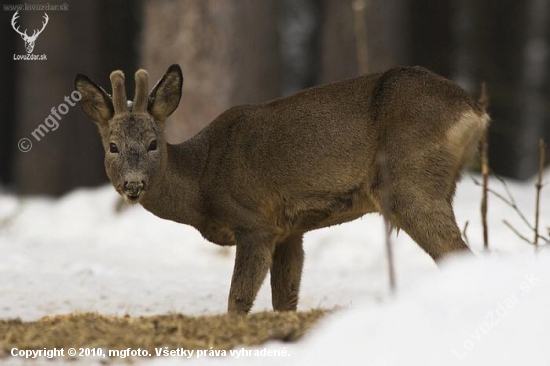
13,19
35,34
120,102
141,98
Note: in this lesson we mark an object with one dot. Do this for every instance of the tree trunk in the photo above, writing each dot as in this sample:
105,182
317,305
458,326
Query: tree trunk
469,45
299,24
228,50
8,143
431,35
337,48
533,94
387,37
502,64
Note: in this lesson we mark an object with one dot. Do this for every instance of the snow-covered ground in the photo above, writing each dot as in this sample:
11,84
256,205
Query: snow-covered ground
76,254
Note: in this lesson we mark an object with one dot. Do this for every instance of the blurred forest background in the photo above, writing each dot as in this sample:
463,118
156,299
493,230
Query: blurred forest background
247,51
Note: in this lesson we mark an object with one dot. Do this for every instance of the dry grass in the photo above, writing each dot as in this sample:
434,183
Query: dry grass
173,331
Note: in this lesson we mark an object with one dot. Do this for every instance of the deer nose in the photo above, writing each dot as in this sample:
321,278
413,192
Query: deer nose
133,185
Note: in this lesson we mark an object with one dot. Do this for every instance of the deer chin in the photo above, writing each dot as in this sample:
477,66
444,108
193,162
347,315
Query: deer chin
133,198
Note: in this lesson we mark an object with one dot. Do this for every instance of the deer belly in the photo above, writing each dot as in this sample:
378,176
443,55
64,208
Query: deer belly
323,211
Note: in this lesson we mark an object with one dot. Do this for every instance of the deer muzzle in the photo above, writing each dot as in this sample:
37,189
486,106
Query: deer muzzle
133,188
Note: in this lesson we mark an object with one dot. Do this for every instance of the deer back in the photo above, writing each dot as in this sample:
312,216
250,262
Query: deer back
310,160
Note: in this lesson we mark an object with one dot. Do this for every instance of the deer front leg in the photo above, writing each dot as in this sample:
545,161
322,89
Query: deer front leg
286,273
252,261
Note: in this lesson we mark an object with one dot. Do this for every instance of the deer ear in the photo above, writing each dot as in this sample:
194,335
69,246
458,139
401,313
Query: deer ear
166,94
95,101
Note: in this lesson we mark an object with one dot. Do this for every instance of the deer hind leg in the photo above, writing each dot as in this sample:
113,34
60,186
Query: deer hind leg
429,222
252,261
286,273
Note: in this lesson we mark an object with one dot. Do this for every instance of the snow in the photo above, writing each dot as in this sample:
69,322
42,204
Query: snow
473,313
76,254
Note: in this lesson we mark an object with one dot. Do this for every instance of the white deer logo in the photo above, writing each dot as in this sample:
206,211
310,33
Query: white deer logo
29,41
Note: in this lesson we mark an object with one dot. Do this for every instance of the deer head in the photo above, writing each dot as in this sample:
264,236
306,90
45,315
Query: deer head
29,41
132,132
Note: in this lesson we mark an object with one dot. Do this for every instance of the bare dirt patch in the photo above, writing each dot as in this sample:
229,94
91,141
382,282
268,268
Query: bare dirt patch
173,331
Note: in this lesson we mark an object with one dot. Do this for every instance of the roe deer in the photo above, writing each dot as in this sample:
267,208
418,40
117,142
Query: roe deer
260,176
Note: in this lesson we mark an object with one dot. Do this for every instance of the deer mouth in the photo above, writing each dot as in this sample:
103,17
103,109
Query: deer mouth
133,189
133,197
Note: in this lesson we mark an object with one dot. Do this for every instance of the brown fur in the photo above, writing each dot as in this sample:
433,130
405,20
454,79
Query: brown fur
260,176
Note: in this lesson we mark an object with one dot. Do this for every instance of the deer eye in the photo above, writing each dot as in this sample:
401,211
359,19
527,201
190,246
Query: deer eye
113,148
152,145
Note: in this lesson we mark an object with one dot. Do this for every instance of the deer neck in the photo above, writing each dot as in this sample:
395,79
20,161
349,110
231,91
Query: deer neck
175,195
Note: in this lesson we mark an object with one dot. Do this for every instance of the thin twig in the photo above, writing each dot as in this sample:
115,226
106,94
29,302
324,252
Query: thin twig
512,203
386,198
509,201
524,238
464,233
484,197
517,232
542,156
516,208
389,250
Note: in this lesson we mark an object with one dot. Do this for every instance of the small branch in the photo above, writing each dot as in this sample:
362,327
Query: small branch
389,250
517,232
485,174
386,198
464,234
512,203
523,237
542,156
509,201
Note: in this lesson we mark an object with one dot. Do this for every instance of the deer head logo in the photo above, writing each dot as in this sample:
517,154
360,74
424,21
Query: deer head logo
29,41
